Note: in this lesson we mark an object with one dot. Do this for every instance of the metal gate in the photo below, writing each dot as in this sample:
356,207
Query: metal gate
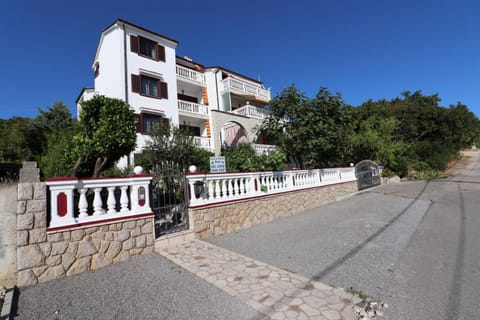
368,174
169,200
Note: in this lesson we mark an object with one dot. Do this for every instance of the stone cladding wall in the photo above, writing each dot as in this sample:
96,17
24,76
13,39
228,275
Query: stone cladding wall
231,217
44,256
8,234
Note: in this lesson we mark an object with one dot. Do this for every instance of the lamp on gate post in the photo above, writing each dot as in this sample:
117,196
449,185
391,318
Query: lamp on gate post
198,186
138,170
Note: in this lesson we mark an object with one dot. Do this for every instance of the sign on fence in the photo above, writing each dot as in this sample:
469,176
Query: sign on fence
217,164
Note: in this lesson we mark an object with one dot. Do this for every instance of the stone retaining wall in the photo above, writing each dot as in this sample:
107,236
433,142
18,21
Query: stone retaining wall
44,256
231,217
8,234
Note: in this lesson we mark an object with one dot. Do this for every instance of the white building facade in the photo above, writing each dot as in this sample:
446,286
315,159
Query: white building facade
140,66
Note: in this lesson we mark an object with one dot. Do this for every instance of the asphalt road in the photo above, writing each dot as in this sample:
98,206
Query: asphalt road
146,287
413,245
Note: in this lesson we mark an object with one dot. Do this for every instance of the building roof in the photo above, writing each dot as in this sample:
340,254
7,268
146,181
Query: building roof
81,93
188,62
235,73
141,28
132,25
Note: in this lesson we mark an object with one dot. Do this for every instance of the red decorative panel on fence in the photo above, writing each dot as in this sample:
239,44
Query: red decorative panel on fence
61,204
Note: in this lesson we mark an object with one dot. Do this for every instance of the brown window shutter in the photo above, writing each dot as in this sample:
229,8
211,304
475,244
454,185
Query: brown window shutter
164,122
163,90
138,119
160,53
134,43
135,83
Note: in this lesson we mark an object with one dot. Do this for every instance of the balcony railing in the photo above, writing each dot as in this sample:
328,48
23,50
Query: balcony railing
192,75
202,142
264,148
75,202
252,112
246,88
208,189
191,107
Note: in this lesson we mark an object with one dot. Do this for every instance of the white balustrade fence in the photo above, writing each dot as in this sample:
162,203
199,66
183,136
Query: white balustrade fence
252,112
224,187
87,201
245,87
75,202
191,107
190,74
202,142
264,148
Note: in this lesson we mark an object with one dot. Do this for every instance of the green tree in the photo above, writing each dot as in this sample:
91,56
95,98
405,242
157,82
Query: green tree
58,157
464,126
108,132
332,127
413,131
241,158
285,123
170,144
311,132
374,140
56,119
274,161
13,142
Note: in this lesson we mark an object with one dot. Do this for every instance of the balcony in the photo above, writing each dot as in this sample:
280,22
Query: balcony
190,75
246,88
252,112
261,149
193,108
202,142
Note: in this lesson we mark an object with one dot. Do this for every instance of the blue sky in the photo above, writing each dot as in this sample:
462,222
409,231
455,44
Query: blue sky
370,49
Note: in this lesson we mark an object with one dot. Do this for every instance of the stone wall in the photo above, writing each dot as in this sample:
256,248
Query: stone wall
8,234
231,217
44,256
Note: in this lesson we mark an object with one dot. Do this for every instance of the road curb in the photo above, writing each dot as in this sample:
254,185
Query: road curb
6,312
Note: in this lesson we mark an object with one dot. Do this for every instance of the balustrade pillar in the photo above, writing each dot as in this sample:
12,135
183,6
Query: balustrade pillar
217,189
82,203
97,202
236,187
123,199
111,202
210,189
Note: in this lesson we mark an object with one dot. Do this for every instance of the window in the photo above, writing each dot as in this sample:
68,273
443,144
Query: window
149,122
149,86
187,98
147,48
193,131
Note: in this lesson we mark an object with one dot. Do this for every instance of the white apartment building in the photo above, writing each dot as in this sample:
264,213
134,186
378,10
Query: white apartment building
141,67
